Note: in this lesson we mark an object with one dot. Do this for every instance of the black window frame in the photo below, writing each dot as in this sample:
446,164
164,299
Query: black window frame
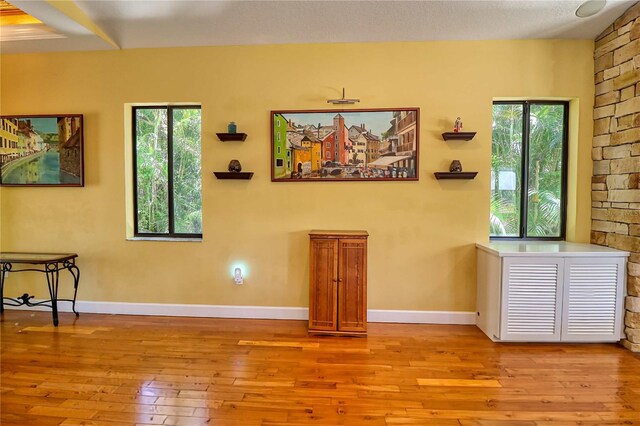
524,198
170,189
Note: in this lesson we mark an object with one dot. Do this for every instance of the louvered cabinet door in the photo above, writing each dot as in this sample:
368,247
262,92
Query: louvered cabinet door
531,299
593,299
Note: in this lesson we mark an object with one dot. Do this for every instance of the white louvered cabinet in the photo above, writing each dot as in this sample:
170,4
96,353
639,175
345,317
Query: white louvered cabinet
550,292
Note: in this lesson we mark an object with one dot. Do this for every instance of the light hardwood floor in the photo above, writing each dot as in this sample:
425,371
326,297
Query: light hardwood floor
125,370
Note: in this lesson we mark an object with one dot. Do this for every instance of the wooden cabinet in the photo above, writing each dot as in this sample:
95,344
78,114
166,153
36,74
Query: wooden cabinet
338,282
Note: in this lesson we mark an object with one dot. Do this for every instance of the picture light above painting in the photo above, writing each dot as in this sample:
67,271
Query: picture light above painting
42,150
338,145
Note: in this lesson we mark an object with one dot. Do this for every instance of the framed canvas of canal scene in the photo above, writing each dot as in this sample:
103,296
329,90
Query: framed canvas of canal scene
337,145
41,150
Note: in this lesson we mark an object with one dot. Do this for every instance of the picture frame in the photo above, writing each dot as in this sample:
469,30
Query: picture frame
42,150
345,145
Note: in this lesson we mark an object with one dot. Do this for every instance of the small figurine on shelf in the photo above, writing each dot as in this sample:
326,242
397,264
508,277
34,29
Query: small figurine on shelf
457,126
234,166
455,166
231,128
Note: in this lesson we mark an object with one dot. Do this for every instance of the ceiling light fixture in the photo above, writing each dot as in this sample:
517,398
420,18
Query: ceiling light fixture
590,8
343,100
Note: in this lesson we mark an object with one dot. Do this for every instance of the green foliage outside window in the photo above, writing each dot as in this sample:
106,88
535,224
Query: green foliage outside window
543,141
187,181
156,137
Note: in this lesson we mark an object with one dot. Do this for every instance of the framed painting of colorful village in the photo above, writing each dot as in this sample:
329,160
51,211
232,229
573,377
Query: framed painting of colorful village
337,145
41,150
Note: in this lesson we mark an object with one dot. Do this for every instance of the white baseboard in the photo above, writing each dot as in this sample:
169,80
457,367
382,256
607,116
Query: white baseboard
257,312
421,317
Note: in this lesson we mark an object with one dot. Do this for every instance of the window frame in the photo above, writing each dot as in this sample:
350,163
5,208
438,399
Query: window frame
524,165
170,189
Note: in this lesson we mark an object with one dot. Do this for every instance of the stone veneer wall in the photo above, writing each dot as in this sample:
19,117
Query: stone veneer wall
616,154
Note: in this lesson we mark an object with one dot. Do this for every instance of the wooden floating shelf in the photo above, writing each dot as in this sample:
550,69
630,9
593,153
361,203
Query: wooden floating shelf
234,175
226,137
455,175
460,136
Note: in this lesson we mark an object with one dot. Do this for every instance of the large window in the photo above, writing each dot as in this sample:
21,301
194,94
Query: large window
528,170
167,171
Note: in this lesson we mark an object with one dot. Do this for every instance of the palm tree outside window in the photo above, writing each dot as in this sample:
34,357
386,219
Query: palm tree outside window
529,169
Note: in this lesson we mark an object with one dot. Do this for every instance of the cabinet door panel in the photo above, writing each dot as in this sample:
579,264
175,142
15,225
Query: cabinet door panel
593,299
531,302
323,285
352,286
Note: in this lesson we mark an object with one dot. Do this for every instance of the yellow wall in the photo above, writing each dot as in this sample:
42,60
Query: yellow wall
421,248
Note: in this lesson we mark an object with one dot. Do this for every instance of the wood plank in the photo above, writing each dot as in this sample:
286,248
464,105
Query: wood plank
69,329
61,412
279,344
459,382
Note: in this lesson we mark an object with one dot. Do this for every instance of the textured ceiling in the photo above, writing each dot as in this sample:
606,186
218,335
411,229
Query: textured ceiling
139,24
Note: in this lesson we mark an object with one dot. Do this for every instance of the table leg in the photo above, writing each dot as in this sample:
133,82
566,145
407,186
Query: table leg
4,270
2,290
53,275
75,271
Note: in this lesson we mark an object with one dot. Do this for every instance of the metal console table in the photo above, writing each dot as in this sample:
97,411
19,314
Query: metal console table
49,263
